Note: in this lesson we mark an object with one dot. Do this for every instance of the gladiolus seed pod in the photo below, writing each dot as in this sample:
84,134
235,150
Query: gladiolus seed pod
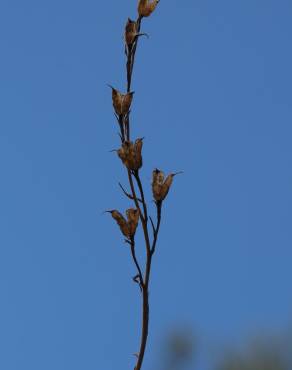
121,102
145,7
160,187
128,227
130,32
131,154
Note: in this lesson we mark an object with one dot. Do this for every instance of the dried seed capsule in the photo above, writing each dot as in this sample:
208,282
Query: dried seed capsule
130,32
128,227
121,102
145,8
116,215
160,187
133,220
131,154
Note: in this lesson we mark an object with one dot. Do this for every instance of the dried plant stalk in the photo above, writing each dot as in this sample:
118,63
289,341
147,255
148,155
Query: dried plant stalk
130,154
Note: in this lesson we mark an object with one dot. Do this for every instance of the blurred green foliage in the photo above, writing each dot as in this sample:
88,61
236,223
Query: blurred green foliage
179,350
263,353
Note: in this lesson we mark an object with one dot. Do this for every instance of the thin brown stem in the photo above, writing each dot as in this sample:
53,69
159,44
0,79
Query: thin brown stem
144,219
145,326
120,120
134,196
141,206
133,252
131,57
156,229
145,286
140,186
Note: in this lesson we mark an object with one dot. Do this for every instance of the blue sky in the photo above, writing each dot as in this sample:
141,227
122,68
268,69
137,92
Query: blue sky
213,98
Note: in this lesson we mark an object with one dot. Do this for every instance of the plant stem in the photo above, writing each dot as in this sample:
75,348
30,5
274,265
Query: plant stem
144,281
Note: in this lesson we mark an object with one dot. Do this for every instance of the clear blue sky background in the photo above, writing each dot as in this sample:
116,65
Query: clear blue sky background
213,98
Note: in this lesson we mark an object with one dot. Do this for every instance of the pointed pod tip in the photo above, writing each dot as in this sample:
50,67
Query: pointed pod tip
177,173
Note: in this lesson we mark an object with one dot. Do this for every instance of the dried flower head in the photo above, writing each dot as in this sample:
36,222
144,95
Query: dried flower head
160,187
121,102
146,7
128,227
131,154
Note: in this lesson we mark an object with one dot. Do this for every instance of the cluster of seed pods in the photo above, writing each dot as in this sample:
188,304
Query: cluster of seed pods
130,152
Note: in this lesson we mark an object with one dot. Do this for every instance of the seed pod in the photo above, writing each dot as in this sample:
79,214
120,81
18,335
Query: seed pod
145,8
130,32
131,155
160,187
121,102
133,220
121,222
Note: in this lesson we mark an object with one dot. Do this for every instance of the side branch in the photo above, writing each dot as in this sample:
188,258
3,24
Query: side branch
128,195
143,220
134,196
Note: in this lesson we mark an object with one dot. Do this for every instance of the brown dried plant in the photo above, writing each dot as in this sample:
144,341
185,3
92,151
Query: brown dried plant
130,154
